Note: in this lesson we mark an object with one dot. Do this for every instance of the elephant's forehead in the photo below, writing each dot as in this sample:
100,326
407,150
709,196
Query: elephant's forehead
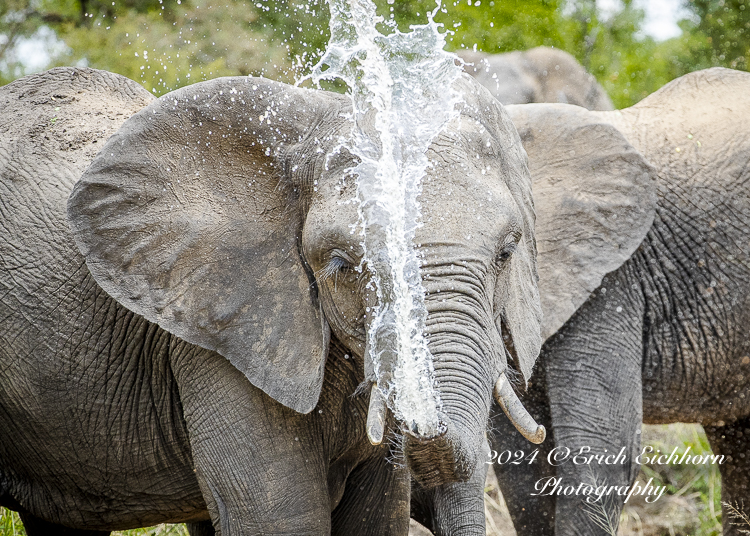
473,213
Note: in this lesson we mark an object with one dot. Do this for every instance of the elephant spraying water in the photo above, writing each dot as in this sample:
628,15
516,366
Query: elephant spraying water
182,330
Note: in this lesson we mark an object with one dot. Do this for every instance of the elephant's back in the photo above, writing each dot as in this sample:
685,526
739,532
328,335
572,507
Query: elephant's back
696,132
562,79
89,412
52,125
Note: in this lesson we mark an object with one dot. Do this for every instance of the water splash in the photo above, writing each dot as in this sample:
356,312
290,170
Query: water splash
401,86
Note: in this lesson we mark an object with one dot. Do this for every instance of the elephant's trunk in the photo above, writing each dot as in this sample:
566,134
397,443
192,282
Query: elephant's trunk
464,343
456,508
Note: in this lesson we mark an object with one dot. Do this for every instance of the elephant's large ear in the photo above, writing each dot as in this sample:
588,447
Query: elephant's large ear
595,199
187,218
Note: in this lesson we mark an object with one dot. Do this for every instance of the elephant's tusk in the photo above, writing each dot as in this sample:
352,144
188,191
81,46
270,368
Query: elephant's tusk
376,415
515,411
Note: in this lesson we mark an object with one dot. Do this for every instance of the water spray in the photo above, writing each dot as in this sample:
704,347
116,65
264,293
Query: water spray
401,87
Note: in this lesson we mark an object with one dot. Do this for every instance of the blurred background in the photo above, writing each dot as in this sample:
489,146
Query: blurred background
633,47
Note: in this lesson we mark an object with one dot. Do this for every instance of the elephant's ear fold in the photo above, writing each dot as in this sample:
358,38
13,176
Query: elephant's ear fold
595,199
186,217
521,314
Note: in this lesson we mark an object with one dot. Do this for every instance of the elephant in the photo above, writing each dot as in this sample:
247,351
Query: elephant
541,74
658,335
182,318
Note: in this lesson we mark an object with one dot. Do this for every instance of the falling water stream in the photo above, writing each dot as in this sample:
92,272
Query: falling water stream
401,87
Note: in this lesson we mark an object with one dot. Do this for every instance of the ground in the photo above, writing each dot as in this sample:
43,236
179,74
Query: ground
691,506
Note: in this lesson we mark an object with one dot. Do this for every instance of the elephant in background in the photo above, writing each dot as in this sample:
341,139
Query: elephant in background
541,74
182,329
659,335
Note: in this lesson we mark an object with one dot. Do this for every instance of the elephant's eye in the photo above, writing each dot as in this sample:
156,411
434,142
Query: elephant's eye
338,263
505,252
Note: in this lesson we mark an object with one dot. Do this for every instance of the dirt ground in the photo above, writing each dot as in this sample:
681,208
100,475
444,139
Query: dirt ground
672,515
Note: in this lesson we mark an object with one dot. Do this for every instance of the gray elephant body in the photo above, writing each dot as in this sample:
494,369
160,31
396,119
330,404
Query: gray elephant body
662,338
101,408
182,330
541,74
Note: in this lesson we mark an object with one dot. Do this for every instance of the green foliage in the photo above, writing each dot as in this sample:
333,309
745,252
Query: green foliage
195,42
723,32
10,525
506,25
702,483
185,41
17,20
628,66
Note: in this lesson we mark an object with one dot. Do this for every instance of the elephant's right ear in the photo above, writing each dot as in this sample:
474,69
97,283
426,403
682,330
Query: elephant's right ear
186,217
595,200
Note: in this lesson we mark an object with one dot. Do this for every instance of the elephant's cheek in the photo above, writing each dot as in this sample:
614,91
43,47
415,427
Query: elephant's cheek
344,311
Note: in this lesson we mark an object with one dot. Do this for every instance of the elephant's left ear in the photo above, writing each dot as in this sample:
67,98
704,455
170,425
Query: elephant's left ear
595,200
187,217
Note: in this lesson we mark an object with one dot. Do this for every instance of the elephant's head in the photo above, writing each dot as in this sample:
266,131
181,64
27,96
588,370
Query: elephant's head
223,212
541,74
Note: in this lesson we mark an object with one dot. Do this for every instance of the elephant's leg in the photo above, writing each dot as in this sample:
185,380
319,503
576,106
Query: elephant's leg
594,388
375,501
453,508
733,442
38,527
202,528
259,465
518,475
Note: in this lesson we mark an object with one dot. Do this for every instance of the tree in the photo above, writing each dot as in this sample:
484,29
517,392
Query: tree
505,25
718,33
18,20
165,44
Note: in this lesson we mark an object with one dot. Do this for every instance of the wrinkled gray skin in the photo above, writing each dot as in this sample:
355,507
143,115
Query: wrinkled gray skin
663,338
541,74
182,330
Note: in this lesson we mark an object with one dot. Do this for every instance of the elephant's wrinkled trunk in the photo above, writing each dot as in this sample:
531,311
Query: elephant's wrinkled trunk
463,341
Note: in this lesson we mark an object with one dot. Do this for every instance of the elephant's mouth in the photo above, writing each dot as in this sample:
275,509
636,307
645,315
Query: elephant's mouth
447,457
433,458
437,460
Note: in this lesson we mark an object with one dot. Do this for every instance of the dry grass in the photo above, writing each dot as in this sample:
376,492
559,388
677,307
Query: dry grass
691,506
738,517
10,525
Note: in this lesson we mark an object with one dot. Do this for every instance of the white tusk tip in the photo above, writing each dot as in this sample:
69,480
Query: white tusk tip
539,436
375,436
376,416
515,411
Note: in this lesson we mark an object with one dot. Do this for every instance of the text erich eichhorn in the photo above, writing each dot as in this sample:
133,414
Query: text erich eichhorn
594,492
